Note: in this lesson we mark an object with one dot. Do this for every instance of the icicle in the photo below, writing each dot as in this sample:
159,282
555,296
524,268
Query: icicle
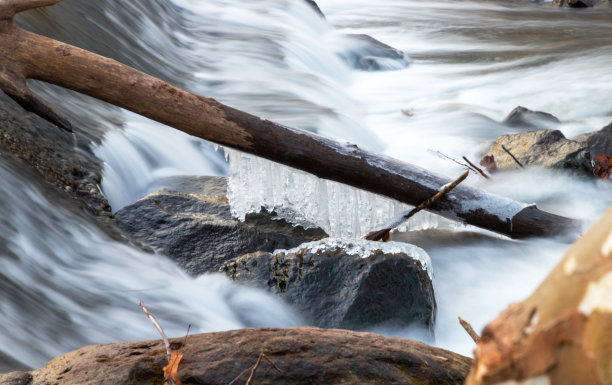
303,199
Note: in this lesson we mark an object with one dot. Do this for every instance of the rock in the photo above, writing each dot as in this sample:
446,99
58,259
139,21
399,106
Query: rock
543,148
315,6
305,355
363,52
561,333
598,142
55,154
582,3
350,284
525,118
191,223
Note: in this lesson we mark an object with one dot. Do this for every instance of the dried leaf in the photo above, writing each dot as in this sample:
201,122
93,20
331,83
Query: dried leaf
171,370
488,162
602,166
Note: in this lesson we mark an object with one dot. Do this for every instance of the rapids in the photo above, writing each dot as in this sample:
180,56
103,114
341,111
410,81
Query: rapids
66,284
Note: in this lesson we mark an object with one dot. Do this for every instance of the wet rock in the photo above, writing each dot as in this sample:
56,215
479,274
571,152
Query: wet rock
56,154
365,53
582,3
525,118
191,223
351,284
543,148
305,355
598,142
315,6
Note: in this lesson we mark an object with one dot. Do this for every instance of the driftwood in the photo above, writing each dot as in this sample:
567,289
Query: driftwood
26,55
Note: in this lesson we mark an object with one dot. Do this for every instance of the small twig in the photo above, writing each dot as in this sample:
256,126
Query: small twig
159,329
254,369
469,329
384,233
442,155
512,156
476,168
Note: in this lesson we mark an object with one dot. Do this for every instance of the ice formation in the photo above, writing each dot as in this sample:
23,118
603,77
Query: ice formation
364,249
304,199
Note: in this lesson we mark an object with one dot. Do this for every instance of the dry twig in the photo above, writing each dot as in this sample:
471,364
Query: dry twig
512,156
384,233
476,168
159,329
254,369
469,329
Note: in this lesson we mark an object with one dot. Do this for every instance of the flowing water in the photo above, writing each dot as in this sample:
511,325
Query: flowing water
65,283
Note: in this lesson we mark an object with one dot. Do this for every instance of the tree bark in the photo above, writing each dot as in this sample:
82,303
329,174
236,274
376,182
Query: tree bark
26,55
561,333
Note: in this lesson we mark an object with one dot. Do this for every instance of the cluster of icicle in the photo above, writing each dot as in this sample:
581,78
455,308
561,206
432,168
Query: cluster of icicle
304,199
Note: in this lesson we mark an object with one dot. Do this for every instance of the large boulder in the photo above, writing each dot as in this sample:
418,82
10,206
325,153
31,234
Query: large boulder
525,118
543,148
598,142
191,222
304,355
350,284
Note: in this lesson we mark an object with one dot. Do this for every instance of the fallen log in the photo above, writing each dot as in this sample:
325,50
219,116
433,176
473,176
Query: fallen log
25,55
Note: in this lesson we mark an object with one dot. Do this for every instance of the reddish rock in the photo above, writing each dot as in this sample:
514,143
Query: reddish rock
305,355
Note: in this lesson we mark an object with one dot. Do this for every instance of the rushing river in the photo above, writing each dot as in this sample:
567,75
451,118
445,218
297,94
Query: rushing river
66,284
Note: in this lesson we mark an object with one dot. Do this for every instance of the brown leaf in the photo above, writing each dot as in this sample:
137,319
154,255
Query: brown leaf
171,370
603,166
488,162
378,235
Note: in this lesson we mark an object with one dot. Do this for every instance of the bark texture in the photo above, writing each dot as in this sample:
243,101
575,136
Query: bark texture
561,333
26,55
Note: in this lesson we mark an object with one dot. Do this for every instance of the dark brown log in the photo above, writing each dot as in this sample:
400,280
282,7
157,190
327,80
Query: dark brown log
26,55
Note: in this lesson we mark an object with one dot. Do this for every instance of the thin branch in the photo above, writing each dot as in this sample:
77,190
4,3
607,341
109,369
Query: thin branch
384,233
442,155
469,329
262,355
9,8
159,329
476,168
512,156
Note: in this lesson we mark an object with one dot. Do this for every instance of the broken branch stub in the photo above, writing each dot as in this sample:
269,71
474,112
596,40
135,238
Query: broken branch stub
25,55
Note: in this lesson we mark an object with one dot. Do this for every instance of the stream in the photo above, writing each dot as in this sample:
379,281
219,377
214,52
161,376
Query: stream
66,284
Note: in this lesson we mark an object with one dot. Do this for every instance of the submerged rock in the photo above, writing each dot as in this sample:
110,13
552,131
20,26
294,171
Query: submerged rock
191,223
582,3
351,284
304,355
60,157
525,118
543,148
363,52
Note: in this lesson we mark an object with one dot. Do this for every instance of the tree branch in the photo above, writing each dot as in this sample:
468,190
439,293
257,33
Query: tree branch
26,55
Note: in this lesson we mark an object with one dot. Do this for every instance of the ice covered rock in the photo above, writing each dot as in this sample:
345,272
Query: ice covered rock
191,222
343,283
304,199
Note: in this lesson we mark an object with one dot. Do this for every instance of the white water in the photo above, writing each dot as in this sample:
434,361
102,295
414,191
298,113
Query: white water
67,284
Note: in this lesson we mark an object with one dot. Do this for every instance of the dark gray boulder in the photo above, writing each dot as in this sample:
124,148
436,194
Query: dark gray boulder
525,118
598,142
365,53
542,148
191,223
349,284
